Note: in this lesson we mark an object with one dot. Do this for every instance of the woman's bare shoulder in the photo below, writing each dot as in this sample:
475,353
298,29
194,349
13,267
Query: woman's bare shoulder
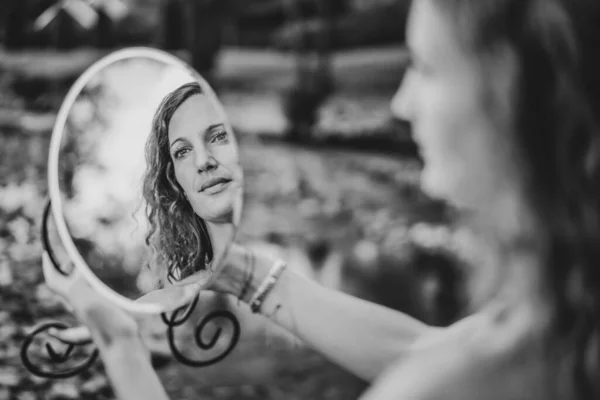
471,359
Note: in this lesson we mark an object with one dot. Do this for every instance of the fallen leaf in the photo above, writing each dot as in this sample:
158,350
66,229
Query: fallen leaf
94,385
48,300
26,396
38,380
62,391
6,276
7,330
4,393
19,229
9,377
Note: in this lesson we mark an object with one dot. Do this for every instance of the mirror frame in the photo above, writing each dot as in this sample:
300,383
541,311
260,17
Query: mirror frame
53,178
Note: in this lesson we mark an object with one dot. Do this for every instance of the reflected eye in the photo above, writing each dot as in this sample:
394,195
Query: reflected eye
219,137
180,153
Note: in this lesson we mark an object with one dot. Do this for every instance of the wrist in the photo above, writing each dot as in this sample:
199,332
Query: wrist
230,278
267,286
244,273
258,269
111,326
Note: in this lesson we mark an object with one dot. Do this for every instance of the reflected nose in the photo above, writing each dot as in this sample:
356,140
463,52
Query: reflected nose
205,161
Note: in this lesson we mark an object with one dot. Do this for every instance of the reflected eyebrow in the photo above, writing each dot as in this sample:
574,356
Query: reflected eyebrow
213,126
177,140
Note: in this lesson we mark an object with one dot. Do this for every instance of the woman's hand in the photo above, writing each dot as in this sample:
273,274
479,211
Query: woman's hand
229,276
60,284
81,299
114,331
243,269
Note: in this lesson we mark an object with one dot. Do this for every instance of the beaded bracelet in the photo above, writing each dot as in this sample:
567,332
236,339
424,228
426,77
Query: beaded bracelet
267,285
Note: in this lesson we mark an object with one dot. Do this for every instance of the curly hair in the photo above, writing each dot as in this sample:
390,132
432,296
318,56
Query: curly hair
178,237
557,106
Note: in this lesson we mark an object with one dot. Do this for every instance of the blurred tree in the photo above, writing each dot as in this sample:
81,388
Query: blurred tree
173,24
105,30
196,26
255,21
66,22
205,33
71,23
15,34
377,24
314,78
64,30
110,13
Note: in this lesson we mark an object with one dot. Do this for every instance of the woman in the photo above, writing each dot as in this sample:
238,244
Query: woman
192,185
504,100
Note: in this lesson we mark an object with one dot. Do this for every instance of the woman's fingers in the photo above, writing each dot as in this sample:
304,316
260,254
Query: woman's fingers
79,335
57,282
76,293
111,324
230,276
54,279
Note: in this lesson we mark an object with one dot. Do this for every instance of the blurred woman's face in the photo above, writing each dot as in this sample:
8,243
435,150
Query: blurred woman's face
205,157
459,109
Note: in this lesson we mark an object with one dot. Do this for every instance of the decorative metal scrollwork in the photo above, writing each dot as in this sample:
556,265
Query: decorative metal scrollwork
46,241
53,356
174,321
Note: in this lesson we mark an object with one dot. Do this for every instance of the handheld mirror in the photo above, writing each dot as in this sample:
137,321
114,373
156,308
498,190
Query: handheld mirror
144,179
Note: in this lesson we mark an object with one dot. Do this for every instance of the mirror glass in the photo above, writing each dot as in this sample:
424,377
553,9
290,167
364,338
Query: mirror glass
145,177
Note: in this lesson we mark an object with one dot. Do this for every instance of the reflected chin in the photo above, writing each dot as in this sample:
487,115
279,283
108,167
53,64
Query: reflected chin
217,207
218,211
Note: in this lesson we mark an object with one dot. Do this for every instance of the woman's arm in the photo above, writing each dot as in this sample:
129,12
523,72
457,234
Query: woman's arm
115,333
360,336
449,364
126,360
495,354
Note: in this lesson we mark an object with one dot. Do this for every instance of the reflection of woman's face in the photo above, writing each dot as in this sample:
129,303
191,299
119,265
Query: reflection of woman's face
205,158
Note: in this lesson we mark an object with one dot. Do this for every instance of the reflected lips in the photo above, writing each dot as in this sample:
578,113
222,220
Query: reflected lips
215,185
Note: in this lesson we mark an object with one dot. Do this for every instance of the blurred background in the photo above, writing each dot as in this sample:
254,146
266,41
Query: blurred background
331,177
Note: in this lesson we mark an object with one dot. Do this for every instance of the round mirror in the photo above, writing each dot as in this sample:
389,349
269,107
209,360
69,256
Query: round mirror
144,179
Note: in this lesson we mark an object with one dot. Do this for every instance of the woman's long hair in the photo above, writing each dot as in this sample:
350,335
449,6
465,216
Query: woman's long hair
557,105
178,237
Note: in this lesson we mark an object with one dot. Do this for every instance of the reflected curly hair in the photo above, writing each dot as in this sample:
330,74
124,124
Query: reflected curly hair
178,237
557,106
